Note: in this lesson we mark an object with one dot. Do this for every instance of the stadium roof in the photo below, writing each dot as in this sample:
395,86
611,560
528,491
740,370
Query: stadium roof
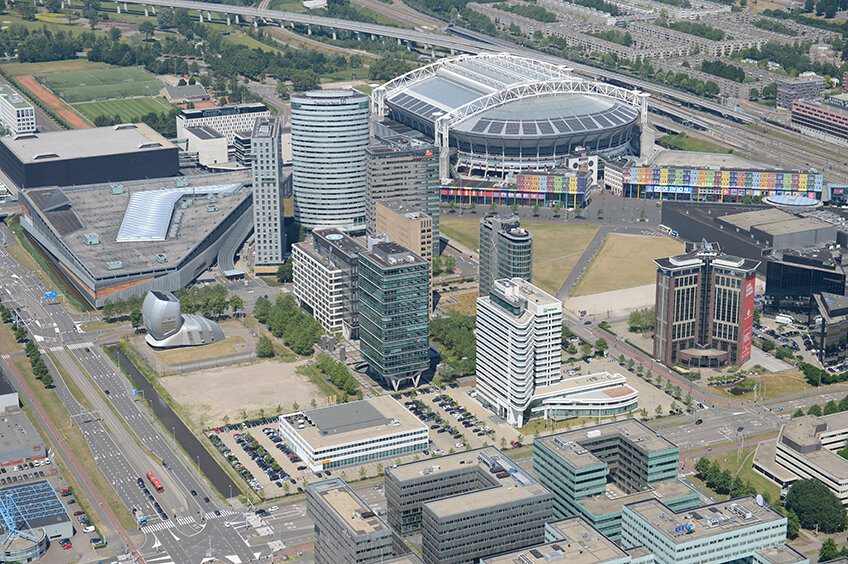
85,143
149,212
506,95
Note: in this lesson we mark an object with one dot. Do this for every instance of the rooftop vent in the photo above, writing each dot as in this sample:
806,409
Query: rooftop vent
149,145
41,156
180,182
114,265
211,208
116,189
121,126
161,257
91,239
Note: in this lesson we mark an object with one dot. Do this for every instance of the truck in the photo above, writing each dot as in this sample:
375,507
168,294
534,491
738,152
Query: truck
784,319
139,517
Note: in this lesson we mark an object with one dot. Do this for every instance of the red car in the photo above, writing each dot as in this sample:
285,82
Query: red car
515,443
66,545
76,513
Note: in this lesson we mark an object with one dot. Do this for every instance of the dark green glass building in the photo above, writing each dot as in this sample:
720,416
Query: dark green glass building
394,319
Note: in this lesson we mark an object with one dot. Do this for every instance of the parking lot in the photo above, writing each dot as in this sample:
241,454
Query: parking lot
19,473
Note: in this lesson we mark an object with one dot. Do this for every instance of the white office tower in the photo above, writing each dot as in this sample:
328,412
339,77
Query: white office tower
330,131
519,335
269,234
16,114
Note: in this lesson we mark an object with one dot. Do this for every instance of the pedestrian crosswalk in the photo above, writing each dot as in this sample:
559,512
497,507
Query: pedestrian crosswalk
160,526
224,513
163,558
77,346
185,520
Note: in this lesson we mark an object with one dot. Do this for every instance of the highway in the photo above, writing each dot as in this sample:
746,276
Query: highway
193,527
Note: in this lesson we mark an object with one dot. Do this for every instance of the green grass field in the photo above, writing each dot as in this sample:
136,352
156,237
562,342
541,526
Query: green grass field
129,110
100,84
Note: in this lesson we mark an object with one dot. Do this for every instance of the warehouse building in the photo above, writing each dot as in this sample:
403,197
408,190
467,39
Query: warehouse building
32,515
727,531
117,240
347,531
593,472
468,506
353,433
125,152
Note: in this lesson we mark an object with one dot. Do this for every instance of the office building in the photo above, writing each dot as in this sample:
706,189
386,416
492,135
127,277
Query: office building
506,251
210,146
407,227
394,313
325,270
727,531
405,168
809,89
832,335
592,472
268,230
86,156
468,505
807,448
822,120
704,307
575,541
16,114
226,120
781,554
347,530
353,433
794,276
519,361
330,131
118,240
566,188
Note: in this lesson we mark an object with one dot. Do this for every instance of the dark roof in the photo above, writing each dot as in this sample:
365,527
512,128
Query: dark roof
38,503
186,91
6,386
204,132
56,206
345,417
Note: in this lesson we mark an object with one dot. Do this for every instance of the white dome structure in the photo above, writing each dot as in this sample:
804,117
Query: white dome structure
167,327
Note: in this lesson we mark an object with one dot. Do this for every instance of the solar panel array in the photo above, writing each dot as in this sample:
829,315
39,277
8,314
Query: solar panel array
617,116
38,503
415,106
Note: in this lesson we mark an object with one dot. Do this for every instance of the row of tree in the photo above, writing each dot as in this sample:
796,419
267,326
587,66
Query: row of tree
455,335
724,70
285,320
339,375
210,301
816,376
828,409
39,368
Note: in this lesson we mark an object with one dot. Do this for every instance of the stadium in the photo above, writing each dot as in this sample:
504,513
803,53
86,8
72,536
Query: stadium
499,113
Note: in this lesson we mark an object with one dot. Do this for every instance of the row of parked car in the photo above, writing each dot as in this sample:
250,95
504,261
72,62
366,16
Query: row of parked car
270,466
246,425
22,477
234,461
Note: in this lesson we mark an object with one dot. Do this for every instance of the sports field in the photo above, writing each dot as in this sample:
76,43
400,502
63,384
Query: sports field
556,246
625,261
130,110
102,84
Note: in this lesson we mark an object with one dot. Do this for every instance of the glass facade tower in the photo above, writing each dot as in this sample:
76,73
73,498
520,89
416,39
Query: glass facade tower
330,131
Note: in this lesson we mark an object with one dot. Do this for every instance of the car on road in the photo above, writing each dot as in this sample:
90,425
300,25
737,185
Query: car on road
217,513
739,430
194,492
699,421
206,499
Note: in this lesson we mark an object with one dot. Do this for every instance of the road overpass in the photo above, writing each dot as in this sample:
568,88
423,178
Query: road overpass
461,40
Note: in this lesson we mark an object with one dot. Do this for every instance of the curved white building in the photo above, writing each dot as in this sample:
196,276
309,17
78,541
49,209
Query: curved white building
167,327
330,131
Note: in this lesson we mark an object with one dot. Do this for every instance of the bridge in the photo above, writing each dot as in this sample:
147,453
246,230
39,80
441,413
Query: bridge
461,40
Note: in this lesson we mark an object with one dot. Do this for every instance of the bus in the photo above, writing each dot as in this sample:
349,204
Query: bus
140,518
155,481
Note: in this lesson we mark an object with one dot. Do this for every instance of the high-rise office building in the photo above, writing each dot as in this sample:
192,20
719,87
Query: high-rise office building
325,271
16,114
330,131
405,168
519,337
506,251
468,506
269,232
394,312
406,226
347,530
704,307
593,471
736,530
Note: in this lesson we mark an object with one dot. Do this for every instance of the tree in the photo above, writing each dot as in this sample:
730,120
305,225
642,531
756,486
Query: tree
830,407
514,207
165,18
493,206
136,319
815,410
47,380
659,410
536,208
798,413
236,304
571,350
557,208
600,213
644,413
793,525
828,551
816,505
285,272
673,407
688,401
601,344
703,466
586,349
114,32
264,347
146,28
20,333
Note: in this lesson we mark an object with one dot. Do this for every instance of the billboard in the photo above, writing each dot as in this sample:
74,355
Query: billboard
747,326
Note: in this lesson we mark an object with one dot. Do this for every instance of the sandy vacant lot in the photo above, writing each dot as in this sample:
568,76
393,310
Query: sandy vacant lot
209,395
611,305
625,261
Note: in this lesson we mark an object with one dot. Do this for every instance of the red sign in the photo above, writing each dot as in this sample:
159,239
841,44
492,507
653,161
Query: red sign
747,327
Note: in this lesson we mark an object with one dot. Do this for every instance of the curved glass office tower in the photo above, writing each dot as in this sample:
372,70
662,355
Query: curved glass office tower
330,132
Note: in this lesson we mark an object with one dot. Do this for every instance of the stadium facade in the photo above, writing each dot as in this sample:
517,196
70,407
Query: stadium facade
492,114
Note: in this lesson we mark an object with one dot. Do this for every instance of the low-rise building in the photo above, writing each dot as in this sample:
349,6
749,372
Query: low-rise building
593,472
177,94
468,505
226,120
347,530
727,531
19,441
353,433
210,146
16,114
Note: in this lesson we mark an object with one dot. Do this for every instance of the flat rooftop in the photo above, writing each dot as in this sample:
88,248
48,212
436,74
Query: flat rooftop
15,100
85,143
783,554
581,544
756,218
38,503
204,132
354,421
795,225
615,498
348,507
568,447
588,381
805,433
72,212
709,520
697,160
518,289
388,255
17,433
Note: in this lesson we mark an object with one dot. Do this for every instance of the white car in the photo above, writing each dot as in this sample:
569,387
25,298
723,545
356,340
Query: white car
459,445
89,529
273,508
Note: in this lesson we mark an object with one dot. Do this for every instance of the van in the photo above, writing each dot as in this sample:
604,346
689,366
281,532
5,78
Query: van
89,529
